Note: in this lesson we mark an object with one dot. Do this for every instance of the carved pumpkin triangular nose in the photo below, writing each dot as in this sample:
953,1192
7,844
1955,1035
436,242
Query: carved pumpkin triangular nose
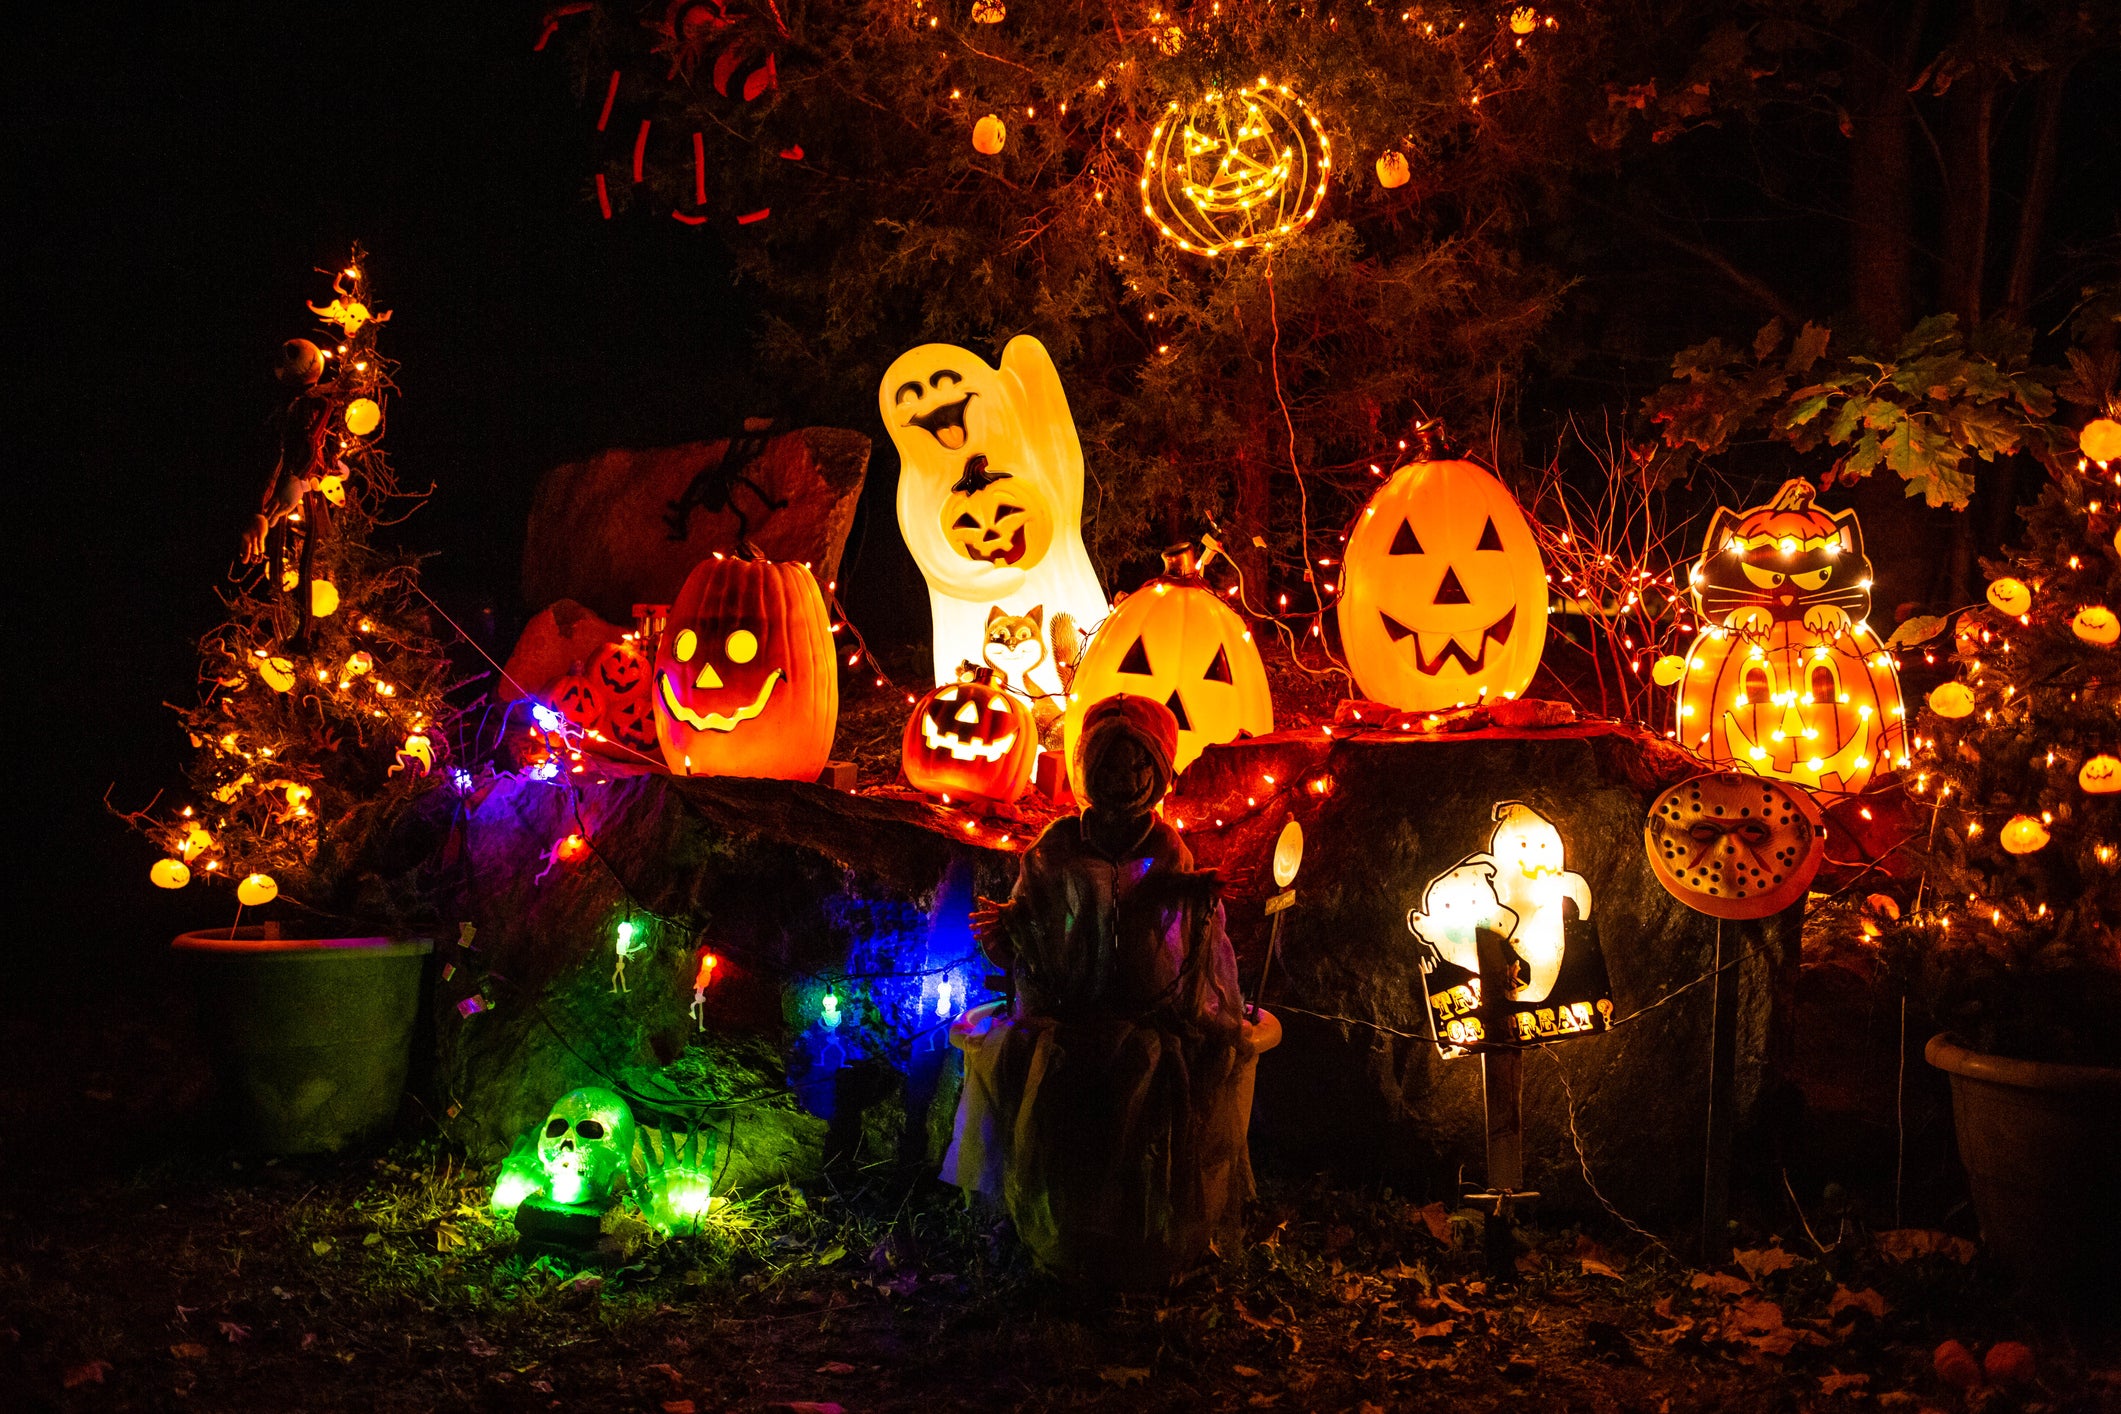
1451,591
1178,710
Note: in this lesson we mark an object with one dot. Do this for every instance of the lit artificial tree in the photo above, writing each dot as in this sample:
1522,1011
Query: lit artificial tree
2016,931
321,708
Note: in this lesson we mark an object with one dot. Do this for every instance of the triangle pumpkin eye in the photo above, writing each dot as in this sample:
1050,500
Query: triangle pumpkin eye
1137,660
1219,670
1404,543
1489,540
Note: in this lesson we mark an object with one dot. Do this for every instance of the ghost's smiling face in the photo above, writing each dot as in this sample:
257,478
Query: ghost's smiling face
938,408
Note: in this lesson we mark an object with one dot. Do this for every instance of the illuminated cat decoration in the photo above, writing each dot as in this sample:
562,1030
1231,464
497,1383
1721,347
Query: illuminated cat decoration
990,497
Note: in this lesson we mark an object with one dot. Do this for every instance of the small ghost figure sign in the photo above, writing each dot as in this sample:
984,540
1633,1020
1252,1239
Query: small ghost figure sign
1497,928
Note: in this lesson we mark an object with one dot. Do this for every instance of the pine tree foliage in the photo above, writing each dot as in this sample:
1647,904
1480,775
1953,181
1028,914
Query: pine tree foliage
313,730
2021,951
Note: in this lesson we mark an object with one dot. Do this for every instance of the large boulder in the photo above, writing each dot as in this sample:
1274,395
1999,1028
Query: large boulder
559,639
1358,1084
626,526
794,887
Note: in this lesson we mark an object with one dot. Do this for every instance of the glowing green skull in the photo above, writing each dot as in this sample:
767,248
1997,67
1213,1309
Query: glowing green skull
586,1146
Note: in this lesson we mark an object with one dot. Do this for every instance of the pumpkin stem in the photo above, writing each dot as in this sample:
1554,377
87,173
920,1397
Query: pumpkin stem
1429,439
1178,562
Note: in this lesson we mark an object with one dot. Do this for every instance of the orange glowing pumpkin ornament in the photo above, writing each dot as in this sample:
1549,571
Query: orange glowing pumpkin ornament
1175,641
971,738
1445,597
1786,678
745,679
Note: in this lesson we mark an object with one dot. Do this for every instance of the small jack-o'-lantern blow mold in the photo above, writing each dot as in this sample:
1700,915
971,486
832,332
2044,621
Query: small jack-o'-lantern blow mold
1735,846
745,679
1445,598
971,738
1175,641
990,494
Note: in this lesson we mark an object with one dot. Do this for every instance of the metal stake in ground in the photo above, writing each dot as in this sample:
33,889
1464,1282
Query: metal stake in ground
1723,1060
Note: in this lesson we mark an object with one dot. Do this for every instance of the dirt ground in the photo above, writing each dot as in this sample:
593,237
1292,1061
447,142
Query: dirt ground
141,1269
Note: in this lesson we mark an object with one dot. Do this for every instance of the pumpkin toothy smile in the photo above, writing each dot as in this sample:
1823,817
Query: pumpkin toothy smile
1430,661
963,749
946,424
715,721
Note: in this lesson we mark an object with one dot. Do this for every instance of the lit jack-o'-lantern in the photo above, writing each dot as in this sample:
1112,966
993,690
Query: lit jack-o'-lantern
1242,167
1176,642
622,673
1735,846
1952,699
2101,439
2023,834
745,681
996,518
2096,624
2101,775
578,698
1786,679
1445,600
1392,170
971,738
2010,596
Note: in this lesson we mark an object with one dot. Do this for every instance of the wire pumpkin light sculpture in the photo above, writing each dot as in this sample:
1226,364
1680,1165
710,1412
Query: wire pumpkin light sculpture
1240,168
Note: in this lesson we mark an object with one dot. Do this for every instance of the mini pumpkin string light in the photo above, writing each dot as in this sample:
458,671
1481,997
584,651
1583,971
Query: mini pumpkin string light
1241,167
1392,170
1951,699
2010,596
989,135
2100,775
2023,834
2096,624
2101,440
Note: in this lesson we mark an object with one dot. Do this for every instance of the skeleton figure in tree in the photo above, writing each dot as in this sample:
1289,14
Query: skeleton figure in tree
298,474
1785,561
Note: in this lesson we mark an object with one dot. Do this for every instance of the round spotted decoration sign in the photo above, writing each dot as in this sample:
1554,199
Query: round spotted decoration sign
1735,846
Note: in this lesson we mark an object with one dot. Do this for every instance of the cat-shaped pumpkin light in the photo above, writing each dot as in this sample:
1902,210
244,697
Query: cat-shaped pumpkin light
990,495
1786,678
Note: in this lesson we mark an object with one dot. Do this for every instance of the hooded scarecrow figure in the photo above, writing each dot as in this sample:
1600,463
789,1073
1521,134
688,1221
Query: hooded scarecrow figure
1106,1106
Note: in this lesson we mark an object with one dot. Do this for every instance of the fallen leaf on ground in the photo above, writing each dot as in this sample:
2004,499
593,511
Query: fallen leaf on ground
447,1237
1437,1219
1766,1261
680,1406
88,1372
1123,1375
479,1348
667,1372
1904,1244
1261,1401
1956,1365
372,1239
1833,1382
808,1406
1592,1267
1244,1372
321,1246
835,1367
1720,1284
1864,1300
309,1338
188,1350
1435,1332
1251,1320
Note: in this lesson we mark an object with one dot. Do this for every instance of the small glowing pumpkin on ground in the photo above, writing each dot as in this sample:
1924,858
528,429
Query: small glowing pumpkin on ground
1735,846
971,738
1175,641
2023,834
746,683
2096,624
1952,699
989,135
2010,596
2101,775
1445,599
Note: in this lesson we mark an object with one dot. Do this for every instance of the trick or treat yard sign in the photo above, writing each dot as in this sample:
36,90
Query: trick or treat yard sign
1510,954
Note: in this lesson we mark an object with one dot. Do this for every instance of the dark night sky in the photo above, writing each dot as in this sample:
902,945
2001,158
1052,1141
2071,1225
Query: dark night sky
180,175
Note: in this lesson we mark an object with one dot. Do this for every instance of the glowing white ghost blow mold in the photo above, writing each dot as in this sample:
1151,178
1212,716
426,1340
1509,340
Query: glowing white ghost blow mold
990,497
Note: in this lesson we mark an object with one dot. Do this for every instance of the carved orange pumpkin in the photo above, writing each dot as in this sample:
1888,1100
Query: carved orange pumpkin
622,672
1175,641
971,738
578,698
745,681
1445,598
1735,846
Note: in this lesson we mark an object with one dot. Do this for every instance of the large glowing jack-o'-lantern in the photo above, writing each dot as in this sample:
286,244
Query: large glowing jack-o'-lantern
1445,600
1786,678
745,682
990,495
1507,941
1176,642
971,738
1735,846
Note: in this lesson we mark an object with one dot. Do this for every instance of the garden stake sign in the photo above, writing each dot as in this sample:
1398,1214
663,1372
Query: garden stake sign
1288,858
1510,959
1786,678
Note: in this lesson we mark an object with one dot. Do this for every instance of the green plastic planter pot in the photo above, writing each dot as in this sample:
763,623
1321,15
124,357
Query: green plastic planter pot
309,1037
